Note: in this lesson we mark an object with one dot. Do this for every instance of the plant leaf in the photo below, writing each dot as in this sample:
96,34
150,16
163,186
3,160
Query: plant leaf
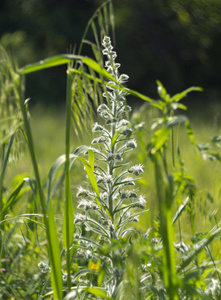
180,210
54,253
183,94
49,63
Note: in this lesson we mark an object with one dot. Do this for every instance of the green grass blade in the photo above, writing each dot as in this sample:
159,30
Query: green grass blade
180,209
4,164
183,94
12,199
56,165
49,63
54,255
68,223
97,68
91,158
89,169
92,20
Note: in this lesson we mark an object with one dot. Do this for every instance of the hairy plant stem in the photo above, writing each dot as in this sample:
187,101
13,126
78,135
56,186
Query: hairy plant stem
112,163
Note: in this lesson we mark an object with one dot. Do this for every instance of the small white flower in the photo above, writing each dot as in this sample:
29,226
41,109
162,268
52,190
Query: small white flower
123,194
104,196
128,181
98,140
79,218
118,156
132,194
84,204
97,127
131,144
136,170
102,107
110,156
82,192
126,132
100,179
142,202
123,78
123,122
109,178
88,254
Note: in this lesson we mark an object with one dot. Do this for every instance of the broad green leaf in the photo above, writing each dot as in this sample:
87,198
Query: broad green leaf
54,255
160,138
49,63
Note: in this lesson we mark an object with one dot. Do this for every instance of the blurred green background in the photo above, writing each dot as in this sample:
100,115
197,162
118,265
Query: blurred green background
175,41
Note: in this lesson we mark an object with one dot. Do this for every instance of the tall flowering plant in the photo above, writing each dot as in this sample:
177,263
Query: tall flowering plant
107,214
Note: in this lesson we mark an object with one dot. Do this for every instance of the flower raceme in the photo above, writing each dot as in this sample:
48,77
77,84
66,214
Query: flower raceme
109,215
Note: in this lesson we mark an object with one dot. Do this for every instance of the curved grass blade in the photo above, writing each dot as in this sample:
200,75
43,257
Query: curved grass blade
49,63
98,292
96,67
13,198
89,166
4,164
180,210
183,94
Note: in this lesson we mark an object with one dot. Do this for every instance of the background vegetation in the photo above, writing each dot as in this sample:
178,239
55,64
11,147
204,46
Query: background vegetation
178,42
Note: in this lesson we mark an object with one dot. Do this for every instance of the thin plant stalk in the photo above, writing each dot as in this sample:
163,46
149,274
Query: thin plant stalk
51,238
4,164
69,212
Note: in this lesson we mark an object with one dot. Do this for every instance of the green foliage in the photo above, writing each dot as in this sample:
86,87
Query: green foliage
89,249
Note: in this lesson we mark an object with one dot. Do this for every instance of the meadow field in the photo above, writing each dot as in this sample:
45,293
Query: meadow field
101,198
